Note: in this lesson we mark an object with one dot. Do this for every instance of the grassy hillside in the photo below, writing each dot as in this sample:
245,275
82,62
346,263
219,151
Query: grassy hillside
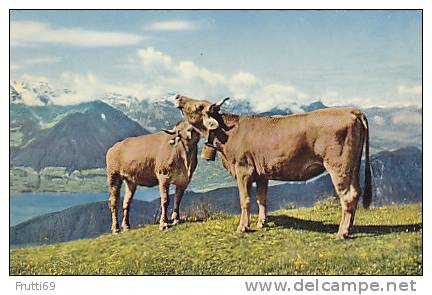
386,240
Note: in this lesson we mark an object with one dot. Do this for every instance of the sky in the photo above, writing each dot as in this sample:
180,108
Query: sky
272,58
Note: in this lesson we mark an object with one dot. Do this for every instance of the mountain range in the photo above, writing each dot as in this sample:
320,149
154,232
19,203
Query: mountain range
390,128
82,221
391,184
34,93
79,140
51,144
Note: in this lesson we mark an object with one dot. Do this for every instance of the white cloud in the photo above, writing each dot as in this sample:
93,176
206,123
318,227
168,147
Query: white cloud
161,68
34,61
15,67
361,101
244,79
407,117
188,78
152,59
43,60
30,33
189,71
332,93
277,95
413,89
89,87
34,78
243,85
84,87
378,120
163,75
160,74
191,79
279,91
405,96
172,25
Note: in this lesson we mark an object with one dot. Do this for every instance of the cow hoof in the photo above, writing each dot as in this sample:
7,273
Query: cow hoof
261,224
163,226
115,231
341,236
243,229
125,228
175,222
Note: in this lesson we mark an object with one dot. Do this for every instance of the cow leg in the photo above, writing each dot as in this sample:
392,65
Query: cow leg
261,195
129,192
355,190
348,195
164,196
354,205
175,217
114,186
244,183
349,205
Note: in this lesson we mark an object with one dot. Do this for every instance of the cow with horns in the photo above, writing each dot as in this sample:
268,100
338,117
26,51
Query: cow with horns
163,158
291,148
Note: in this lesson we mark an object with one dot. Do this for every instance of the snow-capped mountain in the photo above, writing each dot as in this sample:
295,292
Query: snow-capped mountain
391,128
120,101
77,138
238,106
152,115
34,93
41,93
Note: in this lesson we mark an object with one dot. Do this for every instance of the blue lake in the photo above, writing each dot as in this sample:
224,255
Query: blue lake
24,206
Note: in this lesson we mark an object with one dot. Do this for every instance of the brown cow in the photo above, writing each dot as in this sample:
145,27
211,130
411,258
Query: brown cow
293,148
163,158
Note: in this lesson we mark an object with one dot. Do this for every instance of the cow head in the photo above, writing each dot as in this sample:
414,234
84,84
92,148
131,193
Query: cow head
201,114
183,131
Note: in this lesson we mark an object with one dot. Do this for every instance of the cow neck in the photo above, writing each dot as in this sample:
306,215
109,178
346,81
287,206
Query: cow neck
186,151
227,123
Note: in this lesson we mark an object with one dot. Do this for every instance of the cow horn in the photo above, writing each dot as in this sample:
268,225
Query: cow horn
220,103
170,132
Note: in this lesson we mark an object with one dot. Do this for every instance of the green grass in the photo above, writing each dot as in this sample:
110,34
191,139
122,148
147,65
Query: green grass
385,241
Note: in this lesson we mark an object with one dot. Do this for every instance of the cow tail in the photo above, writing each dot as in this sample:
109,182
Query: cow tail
367,193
